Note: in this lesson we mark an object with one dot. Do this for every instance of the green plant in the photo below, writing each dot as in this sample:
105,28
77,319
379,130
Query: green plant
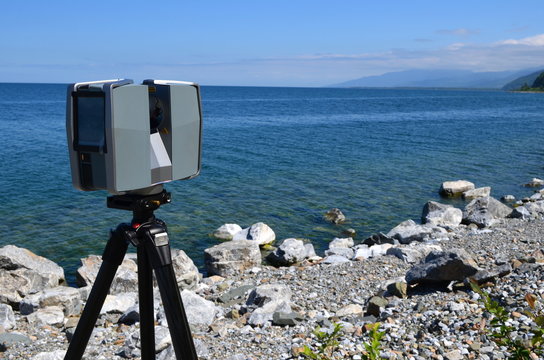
500,330
327,343
373,348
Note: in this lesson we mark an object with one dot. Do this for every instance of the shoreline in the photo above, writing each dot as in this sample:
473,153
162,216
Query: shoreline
425,322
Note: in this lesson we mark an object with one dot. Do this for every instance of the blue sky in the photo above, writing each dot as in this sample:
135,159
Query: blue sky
269,43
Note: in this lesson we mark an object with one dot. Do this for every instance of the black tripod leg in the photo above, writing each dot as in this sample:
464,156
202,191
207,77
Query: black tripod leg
111,259
145,294
161,261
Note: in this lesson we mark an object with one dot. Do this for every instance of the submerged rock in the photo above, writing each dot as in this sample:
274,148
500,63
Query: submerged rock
335,216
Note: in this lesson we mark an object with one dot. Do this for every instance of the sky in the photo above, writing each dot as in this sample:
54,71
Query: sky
263,43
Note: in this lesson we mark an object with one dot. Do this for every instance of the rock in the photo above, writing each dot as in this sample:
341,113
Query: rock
162,338
348,310
335,259
285,319
508,198
119,303
335,216
535,208
8,340
51,315
375,306
412,253
268,299
398,289
520,212
67,298
187,275
408,231
290,251
453,355
226,231
199,310
452,265
7,317
349,232
126,277
438,214
477,193
341,243
535,182
232,257
131,315
259,233
235,294
379,238
363,252
23,272
455,188
50,355
485,211
340,251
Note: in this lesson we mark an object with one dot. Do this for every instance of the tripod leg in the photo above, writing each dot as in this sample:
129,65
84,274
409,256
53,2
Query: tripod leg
145,294
111,259
161,260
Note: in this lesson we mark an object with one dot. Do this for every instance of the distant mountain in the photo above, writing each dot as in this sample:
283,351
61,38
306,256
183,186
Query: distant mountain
438,79
523,80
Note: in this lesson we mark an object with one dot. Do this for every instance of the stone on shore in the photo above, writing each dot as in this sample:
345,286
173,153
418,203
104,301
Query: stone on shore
455,188
187,274
485,211
226,231
126,277
22,272
291,251
7,317
335,216
377,239
477,193
50,315
67,298
260,233
268,299
408,231
232,257
199,310
412,253
363,251
439,267
438,214
50,355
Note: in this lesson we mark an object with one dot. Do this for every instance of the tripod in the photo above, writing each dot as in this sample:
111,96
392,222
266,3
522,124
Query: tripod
150,237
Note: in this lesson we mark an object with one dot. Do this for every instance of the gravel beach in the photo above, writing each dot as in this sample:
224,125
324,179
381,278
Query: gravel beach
433,320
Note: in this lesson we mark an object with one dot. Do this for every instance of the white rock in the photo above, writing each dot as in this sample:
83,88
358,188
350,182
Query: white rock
341,243
477,193
454,188
351,309
199,310
51,315
51,355
7,317
119,303
260,233
227,231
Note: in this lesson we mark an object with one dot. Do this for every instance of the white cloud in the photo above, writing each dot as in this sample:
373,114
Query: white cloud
537,40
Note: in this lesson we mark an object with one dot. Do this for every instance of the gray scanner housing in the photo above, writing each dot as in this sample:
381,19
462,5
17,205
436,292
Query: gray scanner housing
124,137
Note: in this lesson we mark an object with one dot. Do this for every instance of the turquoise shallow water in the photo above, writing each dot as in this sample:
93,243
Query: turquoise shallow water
283,156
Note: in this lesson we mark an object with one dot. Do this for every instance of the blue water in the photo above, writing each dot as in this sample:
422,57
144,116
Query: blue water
283,156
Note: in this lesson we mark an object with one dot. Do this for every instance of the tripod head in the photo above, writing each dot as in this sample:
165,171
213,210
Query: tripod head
141,202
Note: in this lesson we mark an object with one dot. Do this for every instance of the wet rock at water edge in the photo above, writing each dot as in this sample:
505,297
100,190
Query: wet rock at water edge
477,193
226,231
291,251
438,214
260,233
455,188
485,211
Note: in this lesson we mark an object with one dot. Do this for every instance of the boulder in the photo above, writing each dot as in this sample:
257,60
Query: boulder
199,310
290,251
268,299
7,317
187,274
521,212
363,251
412,253
408,231
485,211
335,216
438,214
226,231
67,298
535,208
379,238
119,303
126,277
50,355
22,272
260,233
455,188
51,316
341,243
477,193
232,257
535,182
439,267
